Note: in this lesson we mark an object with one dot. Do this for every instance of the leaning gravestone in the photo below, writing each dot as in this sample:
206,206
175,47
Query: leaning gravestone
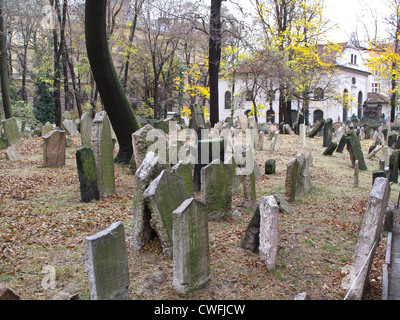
102,146
216,189
87,174
48,127
12,154
86,130
268,247
11,131
243,121
369,236
106,263
251,237
394,167
291,179
317,128
54,144
142,232
330,149
140,144
185,170
354,148
164,194
191,257
70,127
303,182
248,183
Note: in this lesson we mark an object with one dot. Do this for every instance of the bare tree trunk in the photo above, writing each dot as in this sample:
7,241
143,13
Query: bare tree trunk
115,101
5,86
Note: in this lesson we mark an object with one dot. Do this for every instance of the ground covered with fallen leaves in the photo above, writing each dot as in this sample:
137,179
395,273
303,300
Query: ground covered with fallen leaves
44,223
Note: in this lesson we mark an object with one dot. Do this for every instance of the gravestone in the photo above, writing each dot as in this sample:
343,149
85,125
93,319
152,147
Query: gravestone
260,144
342,144
11,131
191,256
273,146
197,120
106,263
163,195
140,144
3,144
48,127
243,121
270,166
251,237
216,189
378,174
354,148
374,151
142,231
394,167
12,154
330,149
303,182
54,144
327,138
317,128
70,127
303,138
86,130
268,247
369,235
249,190
291,179
87,173
185,170
356,174
103,147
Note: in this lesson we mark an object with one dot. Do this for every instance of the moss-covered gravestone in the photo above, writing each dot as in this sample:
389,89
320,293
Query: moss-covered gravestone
378,174
11,131
48,127
197,120
106,264
317,128
164,194
394,167
251,237
327,138
191,257
216,189
3,144
103,147
354,148
87,174
185,170
270,166
291,179
140,143
331,149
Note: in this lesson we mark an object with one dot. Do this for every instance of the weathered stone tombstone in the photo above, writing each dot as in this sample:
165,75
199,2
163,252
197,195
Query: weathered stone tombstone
260,144
140,144
327,138
303,183
191,257
185,170
268,247
216,190
249,190
106,263
273,145
54,145
197,121
330,149
11,131
12,154
342,144
142,231
270,166
103,147
251,237
356,174
394,167
303,137
369,235
48,127
291,179
355,151
243,121
86,130
317,128
87,173
163,195
70,127
374,152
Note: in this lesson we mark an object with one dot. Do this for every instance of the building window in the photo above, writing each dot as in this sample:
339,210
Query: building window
319,94
376,87
353,81
228,100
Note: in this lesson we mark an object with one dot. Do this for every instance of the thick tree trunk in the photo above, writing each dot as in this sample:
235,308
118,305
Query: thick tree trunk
115,101
5,86
214,58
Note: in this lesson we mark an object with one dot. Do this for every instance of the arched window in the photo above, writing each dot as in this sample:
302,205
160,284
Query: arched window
228,100
319,94
318,116
352,59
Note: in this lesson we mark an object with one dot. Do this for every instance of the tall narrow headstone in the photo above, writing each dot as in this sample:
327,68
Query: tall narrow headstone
369,235
191,257
11,131
355,151
106,263
86,130
356,174
317,128
87,174
103,147
216,189
291,179
394,167
327,139
140,144
249,190
54,144
268,248
164,194
303,138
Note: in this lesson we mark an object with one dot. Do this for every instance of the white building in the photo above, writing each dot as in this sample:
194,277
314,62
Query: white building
366,91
